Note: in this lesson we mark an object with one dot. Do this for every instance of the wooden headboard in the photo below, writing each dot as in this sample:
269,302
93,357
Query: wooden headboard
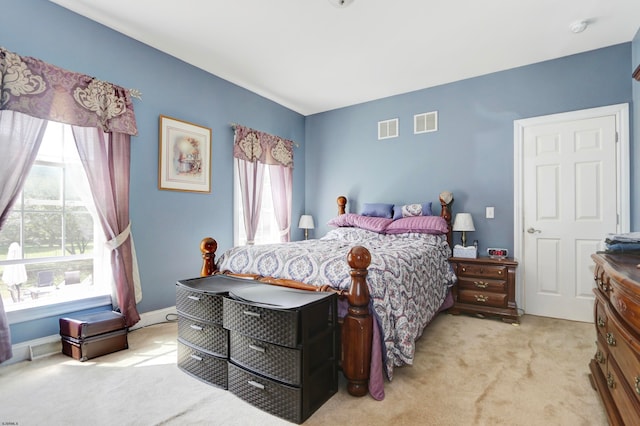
445,198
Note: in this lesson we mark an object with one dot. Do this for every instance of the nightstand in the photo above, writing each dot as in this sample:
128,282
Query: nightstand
485,287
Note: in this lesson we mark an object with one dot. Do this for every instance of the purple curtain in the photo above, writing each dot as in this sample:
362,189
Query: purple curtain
250,175
253,149
46,92
106,160
281,191
20,138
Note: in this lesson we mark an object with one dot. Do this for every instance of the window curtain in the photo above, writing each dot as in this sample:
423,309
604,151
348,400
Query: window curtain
253,150
20,138
281,191
32,87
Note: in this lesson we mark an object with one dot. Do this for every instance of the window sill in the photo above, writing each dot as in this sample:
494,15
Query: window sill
30,314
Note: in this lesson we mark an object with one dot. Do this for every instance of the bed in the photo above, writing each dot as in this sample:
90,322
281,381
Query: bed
395,280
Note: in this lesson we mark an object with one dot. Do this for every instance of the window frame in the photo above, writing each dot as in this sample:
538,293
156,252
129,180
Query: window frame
103,297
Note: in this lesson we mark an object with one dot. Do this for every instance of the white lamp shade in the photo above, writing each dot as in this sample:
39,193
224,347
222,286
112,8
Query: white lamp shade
463,222
306,222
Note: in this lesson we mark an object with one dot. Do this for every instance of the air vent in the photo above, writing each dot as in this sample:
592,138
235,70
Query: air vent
425,122
388,129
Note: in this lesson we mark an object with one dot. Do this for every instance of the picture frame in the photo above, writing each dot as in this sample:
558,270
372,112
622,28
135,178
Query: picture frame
184,156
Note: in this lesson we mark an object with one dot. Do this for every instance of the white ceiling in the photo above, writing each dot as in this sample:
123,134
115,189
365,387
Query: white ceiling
311,56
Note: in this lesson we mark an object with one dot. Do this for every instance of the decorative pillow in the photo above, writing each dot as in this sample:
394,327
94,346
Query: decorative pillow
418,224
375,224
377,210
409,210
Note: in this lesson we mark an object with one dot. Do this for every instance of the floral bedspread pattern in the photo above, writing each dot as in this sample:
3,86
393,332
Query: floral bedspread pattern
408,277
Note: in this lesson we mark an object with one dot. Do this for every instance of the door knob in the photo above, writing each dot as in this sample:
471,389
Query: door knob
533,231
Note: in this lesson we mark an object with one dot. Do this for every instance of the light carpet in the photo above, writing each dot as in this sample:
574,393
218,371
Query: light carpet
467,371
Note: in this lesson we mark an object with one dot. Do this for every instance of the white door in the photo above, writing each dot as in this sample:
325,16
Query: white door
570,201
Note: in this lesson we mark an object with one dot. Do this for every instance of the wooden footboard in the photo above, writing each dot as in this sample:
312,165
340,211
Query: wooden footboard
356,327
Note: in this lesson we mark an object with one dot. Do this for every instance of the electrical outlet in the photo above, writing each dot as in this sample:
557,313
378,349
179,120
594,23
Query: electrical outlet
490,213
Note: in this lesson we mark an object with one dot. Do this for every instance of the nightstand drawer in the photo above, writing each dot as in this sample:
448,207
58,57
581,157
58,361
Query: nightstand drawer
482,284
479,270
483,298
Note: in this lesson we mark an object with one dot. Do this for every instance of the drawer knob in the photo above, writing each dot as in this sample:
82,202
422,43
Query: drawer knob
499,272
480,284
481,298
252,314
610,382
256,384
196,327
196,298
464,269
599,357
196,357
600,321
611,339
637,385
257,348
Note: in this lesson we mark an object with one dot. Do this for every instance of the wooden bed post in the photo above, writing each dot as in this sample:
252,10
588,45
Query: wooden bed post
446,199
342,202
208,247
357,327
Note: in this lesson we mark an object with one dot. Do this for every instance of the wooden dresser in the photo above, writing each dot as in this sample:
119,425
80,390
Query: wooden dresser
615,367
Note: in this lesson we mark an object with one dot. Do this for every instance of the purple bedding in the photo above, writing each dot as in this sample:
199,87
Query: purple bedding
409,279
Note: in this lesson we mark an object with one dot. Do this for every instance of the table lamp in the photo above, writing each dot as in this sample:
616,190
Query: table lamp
463,223
306,223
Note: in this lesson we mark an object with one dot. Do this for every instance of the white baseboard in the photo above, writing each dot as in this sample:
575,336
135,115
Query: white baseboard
49,345
154,317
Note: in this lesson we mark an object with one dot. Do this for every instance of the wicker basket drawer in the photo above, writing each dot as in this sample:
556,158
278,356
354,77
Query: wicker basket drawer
270,325
198,304
202,365
211,338
274,361
273,397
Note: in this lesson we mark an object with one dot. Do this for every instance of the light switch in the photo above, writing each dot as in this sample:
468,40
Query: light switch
490,213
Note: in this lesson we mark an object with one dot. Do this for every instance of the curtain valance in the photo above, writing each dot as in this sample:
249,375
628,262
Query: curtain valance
42,90
255,146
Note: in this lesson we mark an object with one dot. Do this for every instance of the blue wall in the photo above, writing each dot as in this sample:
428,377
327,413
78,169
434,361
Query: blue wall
471,154
167,225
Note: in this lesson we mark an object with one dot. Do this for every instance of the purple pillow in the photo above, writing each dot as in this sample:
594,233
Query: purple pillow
418,224
377,210
375,224
409,210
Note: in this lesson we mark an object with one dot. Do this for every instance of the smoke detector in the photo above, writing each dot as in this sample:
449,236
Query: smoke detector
579,26
341,3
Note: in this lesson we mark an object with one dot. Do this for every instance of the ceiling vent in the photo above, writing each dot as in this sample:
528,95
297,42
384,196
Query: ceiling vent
388,129
425,122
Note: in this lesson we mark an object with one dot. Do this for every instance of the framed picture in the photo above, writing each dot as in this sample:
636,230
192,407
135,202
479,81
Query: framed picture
184,162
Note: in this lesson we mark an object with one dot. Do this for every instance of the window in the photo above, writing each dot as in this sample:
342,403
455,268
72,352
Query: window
267,231
50,249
